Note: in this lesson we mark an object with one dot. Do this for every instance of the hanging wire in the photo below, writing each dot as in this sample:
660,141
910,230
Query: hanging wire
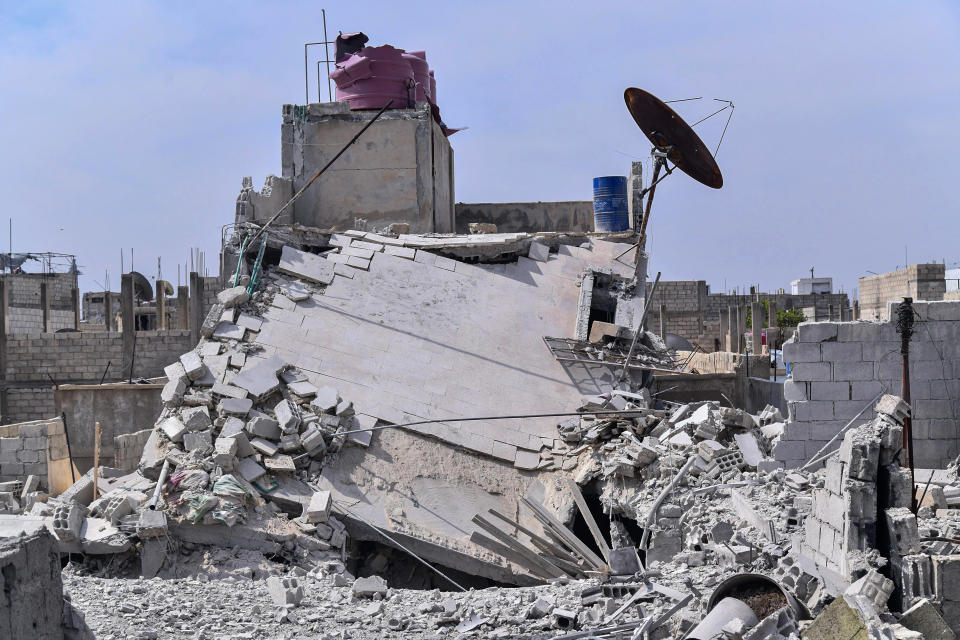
724,132
681,100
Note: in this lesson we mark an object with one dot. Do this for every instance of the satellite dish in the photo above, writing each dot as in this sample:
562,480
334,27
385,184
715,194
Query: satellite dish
142,289
669,134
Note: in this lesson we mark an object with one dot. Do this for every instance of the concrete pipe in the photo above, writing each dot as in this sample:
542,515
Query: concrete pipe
736,586
723,612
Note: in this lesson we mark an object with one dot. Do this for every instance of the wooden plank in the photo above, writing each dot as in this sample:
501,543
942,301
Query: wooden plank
569,537
588,517
506,552
541,543
532,558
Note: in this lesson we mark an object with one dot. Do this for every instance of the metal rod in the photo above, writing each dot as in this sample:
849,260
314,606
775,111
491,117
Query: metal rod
513,417
104,376
636,334
326,57
412,554
648,523
156,490
319,173
839,433
657,165
66,436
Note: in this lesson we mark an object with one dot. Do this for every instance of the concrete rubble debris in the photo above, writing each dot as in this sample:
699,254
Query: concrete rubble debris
635,514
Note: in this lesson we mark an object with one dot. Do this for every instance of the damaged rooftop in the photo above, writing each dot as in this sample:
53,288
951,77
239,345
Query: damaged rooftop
376,410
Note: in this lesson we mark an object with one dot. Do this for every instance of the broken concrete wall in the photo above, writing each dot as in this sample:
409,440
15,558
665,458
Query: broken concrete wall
32,605
918,281
400,171
837,368
693,312
23,450
120,409
25,304
844,515
574,215
78,357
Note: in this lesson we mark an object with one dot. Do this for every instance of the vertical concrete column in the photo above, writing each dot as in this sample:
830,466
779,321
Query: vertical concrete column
108,311
663,322
756,314
732,325
75,302
161,305
4,330
741,328
183,308
830,312
196,305
129,322
45,306
856,309
636,194
772,315
724,330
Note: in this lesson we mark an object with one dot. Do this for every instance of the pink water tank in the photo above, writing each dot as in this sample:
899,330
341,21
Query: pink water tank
372,77
421,74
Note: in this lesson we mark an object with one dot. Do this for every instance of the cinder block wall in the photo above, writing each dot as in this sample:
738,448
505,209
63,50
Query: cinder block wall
23,451
25,308
79,358
918,281
837,368
694,313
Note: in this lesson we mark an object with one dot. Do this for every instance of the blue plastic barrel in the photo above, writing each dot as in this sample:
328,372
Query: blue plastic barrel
610,204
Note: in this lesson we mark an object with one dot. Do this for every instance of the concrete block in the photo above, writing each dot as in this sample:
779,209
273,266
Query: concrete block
287,417
816,331
264,427
175,371
243,445
813,410
905,536
858,332
197,440
173,428
192,365
924,618
794,352
285,591
539,252
260,377
842,351
237,407
865,390
932,409
369,587
67,521
195,418
326,400
305,265
318,510
228,390
249,470
853,371
172,392
265,447
231,427
233,297
812,371
829,390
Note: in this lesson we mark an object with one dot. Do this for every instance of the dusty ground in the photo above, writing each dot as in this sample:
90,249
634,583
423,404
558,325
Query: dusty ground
137,609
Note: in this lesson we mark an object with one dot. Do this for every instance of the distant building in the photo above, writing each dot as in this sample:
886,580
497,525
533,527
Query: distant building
918,281
811,286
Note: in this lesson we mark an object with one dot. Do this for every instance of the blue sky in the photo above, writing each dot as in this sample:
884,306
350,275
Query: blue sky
131,124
